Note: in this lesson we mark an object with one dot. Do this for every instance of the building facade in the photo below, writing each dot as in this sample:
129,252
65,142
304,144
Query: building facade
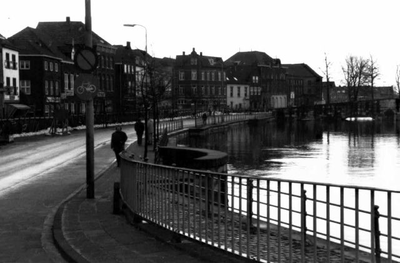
304,85
9,80
265,76
198,82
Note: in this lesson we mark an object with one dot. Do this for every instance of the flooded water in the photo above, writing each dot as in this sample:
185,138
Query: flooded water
349,153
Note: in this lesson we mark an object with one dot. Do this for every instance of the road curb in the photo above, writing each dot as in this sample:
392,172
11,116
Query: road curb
64,248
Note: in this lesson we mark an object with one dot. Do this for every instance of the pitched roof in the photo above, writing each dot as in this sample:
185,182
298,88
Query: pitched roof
6,43
301,70
205,61
32,41
250,58
67,31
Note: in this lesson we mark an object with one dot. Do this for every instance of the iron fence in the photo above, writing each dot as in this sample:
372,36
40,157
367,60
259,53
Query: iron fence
266,219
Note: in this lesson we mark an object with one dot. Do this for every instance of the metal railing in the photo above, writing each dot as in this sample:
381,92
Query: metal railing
224,118
265,219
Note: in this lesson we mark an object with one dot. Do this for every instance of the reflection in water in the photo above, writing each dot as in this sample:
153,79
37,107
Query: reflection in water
354,153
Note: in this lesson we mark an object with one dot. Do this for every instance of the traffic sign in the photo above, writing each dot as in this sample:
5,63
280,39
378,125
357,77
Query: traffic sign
86,86
86,59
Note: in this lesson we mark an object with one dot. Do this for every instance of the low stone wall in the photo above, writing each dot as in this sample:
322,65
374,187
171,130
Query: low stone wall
194,158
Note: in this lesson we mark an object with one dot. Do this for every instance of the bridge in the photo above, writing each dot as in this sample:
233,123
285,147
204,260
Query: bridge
376,109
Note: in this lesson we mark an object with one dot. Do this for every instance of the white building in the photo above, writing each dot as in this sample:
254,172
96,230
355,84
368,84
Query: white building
237,96
9,73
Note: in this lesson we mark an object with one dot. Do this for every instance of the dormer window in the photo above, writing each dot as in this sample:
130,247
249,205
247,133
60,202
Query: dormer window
193,61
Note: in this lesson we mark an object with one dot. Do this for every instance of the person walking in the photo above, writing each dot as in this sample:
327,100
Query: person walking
150,131
118,139
204,117
139,128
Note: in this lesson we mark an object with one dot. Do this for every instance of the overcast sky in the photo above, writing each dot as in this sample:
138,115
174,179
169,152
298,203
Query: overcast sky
295,31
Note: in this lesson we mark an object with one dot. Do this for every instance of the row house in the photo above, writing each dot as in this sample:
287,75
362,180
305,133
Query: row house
264,76
129,72
304,85
69,36
9,80
198,82
48,72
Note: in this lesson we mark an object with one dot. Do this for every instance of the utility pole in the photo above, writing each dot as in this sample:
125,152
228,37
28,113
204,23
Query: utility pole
89,114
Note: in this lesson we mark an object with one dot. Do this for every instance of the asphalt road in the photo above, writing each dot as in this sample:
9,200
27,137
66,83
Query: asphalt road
36,175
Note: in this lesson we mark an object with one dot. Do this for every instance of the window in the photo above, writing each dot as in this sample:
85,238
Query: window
193,61
71,80
46,87
15,86
245,92
25,86
7,62
14,61
203,75
238,92
208,75
180,90
57,89
25,64
194,90
212,76
46,65
181,75
194,75
219,76
56,66
51,89
66,82
255,79
51,66
111,83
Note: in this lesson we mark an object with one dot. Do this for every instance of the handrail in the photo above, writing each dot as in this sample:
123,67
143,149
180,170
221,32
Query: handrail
260,218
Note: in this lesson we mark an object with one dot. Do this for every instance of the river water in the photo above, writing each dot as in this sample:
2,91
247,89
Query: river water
350,153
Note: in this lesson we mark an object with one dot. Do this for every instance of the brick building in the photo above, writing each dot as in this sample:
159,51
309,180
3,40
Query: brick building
198,82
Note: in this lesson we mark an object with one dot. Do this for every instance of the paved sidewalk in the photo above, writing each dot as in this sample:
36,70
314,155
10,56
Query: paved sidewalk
86,230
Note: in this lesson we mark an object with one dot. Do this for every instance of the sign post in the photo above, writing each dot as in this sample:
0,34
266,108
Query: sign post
84,63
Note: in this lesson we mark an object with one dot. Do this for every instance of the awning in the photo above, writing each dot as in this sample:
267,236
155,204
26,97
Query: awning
20,106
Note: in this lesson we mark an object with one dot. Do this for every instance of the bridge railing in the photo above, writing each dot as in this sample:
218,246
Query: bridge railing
223,118
267,219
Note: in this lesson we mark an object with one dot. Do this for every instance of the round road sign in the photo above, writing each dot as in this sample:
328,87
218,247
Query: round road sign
86,59
86,86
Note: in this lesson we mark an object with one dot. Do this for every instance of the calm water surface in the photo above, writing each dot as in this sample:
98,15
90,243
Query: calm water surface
350,153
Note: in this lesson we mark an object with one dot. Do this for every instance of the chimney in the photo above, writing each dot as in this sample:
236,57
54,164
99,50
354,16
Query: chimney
201,54
68,19
128,44
183,53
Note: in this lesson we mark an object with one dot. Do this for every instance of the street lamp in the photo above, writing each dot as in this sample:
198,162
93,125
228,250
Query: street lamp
133,25
145,108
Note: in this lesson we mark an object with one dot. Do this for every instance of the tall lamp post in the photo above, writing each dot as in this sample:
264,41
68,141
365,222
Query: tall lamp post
133,25
145,104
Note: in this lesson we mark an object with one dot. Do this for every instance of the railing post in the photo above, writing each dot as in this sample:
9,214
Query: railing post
377,235
304,215
250,203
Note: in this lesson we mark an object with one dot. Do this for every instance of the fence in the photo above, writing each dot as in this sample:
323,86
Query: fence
267,219
223,118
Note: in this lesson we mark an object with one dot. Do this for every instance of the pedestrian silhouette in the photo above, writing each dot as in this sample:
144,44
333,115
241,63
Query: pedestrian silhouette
118,139
139,128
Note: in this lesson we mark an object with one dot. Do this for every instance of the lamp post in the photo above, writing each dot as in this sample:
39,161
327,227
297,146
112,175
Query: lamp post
133,25
145,104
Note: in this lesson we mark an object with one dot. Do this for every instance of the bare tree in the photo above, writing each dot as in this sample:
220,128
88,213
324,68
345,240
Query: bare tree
356,75
397,78
372,74
326,73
